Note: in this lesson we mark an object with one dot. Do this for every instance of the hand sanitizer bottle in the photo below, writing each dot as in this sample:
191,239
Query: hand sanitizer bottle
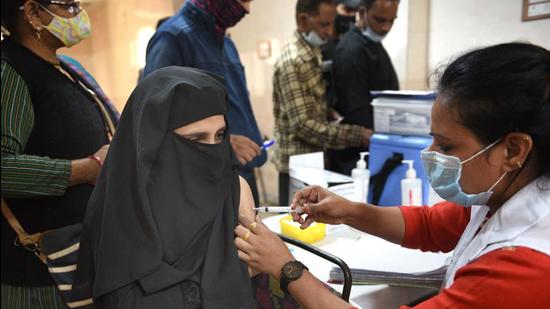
411,187
361,177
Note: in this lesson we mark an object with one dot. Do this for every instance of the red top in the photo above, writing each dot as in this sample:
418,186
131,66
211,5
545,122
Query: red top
511,277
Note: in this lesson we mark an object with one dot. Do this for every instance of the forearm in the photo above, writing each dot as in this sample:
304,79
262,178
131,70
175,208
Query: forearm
26,176
384,222
83,171
331,135
311,293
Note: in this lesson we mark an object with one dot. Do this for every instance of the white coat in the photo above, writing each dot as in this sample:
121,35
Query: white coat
523,220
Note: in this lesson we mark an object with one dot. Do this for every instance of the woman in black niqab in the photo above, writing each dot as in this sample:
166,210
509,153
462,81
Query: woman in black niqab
158,231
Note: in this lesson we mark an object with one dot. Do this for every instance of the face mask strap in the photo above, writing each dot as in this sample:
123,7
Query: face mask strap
496,183
49,12
481,151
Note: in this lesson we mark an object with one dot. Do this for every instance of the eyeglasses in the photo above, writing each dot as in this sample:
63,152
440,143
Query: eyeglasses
73,7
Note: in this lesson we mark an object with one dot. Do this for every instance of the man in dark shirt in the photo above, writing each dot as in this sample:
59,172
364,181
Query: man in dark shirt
196,37
344,20
361,64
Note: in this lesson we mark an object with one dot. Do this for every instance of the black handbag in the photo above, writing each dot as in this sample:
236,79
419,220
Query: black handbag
58,249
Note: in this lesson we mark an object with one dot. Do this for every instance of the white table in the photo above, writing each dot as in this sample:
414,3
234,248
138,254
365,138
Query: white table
360,250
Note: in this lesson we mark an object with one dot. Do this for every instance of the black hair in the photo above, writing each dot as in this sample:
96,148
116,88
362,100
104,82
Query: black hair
10,12
502,89
369,3
311,6
10,9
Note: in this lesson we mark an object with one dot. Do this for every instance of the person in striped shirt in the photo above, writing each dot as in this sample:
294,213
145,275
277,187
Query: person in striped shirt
55,136
299,94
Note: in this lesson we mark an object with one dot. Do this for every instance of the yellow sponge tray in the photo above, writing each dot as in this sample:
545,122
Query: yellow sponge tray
313,233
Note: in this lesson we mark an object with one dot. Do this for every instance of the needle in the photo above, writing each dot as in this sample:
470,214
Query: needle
279,209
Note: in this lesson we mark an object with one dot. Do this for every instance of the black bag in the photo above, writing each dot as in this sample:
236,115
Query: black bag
58,249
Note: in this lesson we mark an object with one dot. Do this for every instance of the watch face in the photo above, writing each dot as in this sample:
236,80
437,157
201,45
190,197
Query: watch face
293,270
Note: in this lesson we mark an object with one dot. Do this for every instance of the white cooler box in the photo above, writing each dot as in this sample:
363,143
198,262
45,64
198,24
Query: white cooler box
402,112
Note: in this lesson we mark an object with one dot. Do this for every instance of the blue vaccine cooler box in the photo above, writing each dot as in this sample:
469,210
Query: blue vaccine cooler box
385,146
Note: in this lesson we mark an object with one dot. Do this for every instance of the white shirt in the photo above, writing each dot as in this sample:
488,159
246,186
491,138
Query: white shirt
524,220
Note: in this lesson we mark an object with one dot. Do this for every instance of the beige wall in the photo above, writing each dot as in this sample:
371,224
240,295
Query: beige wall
270,20
113,54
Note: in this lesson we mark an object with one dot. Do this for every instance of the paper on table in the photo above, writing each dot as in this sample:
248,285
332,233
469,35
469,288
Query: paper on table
311,160
430,279
381,262
370,252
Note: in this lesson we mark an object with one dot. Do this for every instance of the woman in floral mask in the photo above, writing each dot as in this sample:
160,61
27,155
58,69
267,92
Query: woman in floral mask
489,160
56,129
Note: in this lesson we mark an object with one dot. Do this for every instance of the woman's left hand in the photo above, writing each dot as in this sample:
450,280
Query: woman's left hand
260,248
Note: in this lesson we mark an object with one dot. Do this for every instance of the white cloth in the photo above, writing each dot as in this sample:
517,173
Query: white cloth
524,220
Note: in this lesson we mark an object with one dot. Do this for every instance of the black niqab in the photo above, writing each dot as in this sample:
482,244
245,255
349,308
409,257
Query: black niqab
164,207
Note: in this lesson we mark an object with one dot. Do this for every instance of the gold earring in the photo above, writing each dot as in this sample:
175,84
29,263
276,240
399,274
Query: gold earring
37,30
519,164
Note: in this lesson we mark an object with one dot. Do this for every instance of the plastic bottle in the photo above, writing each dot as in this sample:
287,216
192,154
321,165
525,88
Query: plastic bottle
361,177
411,187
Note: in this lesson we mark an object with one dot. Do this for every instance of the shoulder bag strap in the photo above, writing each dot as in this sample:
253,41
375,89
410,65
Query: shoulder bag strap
24,238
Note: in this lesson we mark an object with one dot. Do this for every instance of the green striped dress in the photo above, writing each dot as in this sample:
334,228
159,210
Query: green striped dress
26,176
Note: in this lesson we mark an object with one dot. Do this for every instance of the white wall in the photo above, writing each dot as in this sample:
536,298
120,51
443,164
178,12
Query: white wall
457,26
397,40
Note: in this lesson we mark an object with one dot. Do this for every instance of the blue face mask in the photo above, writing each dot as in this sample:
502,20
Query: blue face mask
444,173
314,39
373,35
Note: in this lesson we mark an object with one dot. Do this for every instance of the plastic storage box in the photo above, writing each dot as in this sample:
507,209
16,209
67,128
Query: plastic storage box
402,112
384,146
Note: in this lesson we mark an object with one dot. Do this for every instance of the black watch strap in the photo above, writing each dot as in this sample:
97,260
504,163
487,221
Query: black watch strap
291,271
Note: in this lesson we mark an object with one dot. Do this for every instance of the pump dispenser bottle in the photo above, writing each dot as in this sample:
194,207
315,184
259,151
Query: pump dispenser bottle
411,187
361,177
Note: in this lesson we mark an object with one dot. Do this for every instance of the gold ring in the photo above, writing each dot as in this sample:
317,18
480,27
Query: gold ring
246,235
252,226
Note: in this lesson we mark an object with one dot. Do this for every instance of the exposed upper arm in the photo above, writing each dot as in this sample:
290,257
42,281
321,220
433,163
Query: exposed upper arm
247,200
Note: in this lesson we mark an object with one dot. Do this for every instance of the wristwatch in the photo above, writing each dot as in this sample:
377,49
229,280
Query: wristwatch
291,271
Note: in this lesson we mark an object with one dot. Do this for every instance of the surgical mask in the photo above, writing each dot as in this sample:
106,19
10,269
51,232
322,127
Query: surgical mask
314,39
373,35
72,30
444,173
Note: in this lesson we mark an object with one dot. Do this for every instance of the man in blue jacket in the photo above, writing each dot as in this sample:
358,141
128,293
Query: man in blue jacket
195,37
